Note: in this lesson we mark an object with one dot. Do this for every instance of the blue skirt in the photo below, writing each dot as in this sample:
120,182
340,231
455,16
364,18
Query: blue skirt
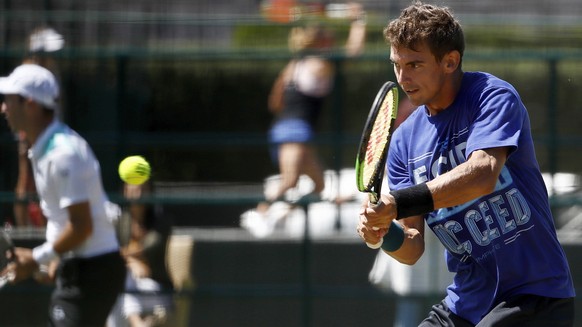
291,131
288,131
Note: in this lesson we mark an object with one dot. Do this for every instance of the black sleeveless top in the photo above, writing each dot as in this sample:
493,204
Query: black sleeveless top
297,105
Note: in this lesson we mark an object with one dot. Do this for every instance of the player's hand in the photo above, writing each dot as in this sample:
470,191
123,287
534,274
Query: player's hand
370,235
380,215
22,266
355,10
375,219
46,274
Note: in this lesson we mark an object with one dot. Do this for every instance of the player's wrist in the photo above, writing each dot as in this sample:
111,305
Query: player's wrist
44,253
360,18
394,239
413,201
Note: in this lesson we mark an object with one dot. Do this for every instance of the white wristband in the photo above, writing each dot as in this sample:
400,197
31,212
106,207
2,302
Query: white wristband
44,253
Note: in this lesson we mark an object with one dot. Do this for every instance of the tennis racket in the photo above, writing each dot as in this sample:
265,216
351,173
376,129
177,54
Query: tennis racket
373,151
6,256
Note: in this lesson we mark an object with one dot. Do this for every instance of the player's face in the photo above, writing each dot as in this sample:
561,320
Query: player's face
420,76
13,110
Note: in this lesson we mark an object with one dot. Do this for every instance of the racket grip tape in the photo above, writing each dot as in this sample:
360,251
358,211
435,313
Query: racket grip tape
375,246
392,241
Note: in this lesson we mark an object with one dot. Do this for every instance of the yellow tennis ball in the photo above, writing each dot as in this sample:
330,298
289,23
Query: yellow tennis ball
134,170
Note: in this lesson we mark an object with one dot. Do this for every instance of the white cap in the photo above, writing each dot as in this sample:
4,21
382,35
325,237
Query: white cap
46,40
34,82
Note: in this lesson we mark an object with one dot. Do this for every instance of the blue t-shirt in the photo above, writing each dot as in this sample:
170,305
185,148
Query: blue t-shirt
502,244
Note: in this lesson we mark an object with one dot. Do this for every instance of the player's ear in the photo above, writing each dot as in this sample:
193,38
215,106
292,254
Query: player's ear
451,61
31,105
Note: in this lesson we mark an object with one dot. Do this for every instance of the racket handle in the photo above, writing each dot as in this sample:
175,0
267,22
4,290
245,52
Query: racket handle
377,245
7,278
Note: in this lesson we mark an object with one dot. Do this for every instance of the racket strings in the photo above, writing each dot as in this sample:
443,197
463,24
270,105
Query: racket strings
378,137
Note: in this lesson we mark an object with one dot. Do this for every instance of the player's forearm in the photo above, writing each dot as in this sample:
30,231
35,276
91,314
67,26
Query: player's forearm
78,229
357,34
25,264
472,179
356,39
412,248
71,238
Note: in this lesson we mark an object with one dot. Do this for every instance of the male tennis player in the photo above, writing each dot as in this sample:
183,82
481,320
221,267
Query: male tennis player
79,217
464,162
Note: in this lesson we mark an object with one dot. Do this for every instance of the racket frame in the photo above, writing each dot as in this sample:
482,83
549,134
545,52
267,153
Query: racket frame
374,186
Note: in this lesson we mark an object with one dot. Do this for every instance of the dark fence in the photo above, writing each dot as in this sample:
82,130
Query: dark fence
188,91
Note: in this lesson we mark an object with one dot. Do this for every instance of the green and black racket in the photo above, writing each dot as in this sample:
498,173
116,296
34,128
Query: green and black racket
373,152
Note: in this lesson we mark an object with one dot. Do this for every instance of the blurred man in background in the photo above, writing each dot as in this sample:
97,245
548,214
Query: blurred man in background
80,230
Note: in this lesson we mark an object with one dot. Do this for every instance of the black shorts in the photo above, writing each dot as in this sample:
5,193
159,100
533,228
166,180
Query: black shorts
86,290
523,310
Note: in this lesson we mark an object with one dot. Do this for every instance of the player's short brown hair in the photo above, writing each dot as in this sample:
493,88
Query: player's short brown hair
434,25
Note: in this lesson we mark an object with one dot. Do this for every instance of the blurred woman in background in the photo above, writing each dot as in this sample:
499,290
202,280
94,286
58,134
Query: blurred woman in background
297,98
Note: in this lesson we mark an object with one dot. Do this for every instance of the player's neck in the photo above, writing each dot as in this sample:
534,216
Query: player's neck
38,127
448,93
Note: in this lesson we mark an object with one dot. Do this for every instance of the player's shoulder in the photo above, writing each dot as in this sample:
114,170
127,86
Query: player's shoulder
483,82
315,65
65,141
68,147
